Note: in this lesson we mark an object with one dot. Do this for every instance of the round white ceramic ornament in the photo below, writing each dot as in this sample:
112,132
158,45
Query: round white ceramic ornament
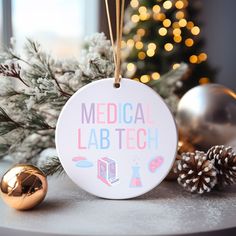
116,143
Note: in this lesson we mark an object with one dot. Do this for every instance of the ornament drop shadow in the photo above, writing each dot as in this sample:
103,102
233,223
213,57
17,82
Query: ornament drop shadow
51,205
166,190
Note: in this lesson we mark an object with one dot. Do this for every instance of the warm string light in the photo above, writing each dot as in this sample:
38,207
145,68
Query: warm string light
177,38
130,43
156,9
143,13
189,42
135,18
151,49
141,32
145,78
168,47
159,16
175,25
175,66
167,5
134,3
130,67
169,27
182,23
162,31
202,57
193,59
204,80
179,4
166,23
179,15
141,55
150,53
139,45
142,10
152,46
155,76
177,31
195,30
190,25
198,59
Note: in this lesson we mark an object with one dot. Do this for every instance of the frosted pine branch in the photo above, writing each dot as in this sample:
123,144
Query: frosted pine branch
30,108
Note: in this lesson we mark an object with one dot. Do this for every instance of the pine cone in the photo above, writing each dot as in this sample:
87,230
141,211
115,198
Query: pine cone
195,173
183,146
225,163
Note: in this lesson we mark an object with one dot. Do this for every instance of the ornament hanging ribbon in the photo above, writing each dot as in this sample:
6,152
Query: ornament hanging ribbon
120,5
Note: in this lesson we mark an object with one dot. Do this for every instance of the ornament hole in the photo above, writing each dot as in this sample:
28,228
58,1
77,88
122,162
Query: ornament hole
116,85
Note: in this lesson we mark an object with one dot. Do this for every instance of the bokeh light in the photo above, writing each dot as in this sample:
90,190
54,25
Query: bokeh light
168,47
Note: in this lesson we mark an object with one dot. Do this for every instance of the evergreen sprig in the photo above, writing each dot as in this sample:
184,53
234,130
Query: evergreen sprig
52,166
7,124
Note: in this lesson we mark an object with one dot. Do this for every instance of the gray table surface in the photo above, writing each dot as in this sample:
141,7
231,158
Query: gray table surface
166,210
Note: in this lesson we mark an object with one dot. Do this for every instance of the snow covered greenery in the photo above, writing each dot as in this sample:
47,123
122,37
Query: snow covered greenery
35,86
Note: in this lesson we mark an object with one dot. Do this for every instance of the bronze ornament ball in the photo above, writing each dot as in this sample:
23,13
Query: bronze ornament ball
23,187
206,116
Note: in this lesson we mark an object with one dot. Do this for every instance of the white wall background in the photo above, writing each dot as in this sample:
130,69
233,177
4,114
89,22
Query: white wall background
59,25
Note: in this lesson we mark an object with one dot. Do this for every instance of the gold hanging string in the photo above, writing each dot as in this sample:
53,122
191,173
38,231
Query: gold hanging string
119,29
110,30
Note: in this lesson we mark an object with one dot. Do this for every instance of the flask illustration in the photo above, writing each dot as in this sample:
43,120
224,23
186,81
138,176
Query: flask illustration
135,179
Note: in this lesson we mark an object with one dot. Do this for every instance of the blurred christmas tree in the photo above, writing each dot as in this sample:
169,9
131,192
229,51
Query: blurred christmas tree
158,35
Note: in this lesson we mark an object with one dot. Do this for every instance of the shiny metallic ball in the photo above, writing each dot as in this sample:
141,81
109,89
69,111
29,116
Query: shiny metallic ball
23,187
206,116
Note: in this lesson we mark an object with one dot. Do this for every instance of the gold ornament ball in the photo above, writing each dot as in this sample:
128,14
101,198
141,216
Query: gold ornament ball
206,116
23,187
